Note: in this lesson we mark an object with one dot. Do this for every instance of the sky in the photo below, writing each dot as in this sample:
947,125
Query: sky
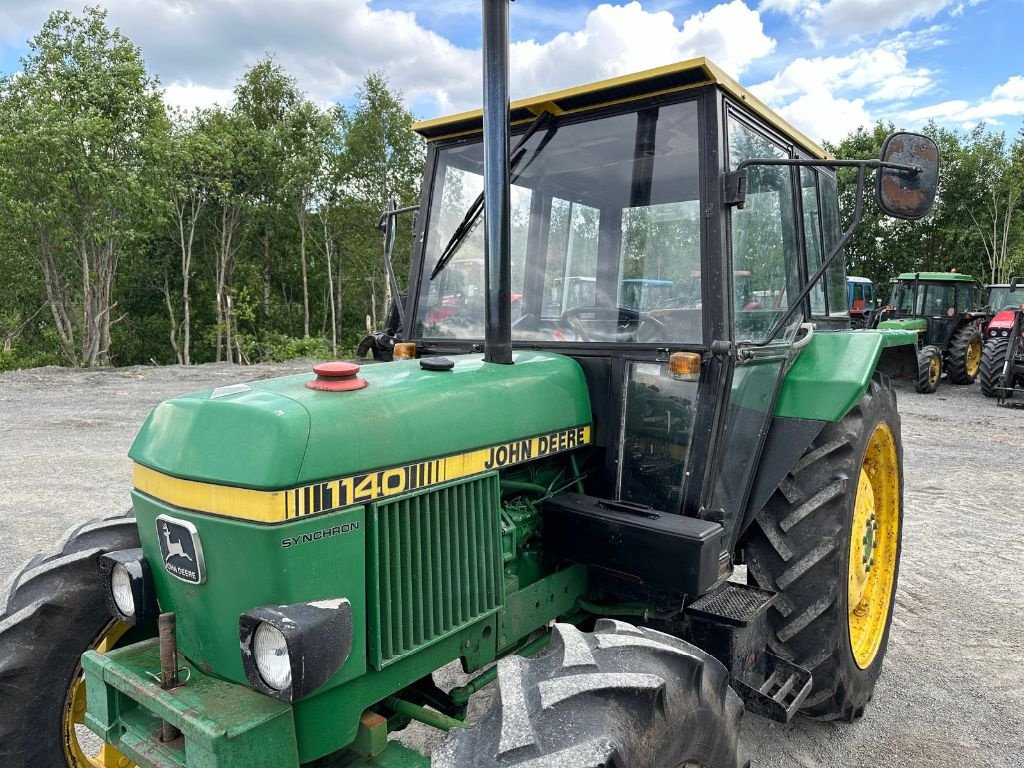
828,66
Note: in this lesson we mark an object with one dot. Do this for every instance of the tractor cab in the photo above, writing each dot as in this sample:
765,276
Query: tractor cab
625,251
945,310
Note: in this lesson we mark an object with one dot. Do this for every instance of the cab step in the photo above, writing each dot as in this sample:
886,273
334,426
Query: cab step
776,691
731,623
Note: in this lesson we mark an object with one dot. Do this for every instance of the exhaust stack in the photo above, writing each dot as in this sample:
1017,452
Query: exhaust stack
497,205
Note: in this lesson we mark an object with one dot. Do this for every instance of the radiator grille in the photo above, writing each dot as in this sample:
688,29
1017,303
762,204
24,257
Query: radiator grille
434,566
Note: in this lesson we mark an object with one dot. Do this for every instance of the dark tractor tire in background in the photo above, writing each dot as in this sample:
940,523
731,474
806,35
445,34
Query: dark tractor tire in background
621,696
929,370
992,359
828,541
54,611
963,361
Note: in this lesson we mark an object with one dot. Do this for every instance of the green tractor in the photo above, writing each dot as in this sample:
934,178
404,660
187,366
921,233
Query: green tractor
942,308
568,495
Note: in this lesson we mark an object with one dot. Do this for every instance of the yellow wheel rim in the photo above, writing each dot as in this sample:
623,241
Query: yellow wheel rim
74,713
873,543
973,356
934,369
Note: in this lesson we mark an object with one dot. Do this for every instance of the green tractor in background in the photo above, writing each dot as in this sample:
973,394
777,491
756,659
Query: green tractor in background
944,310
566,493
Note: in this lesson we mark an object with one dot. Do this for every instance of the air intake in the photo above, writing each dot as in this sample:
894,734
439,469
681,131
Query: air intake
435,565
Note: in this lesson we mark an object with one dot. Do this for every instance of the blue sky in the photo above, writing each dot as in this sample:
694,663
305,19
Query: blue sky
827,65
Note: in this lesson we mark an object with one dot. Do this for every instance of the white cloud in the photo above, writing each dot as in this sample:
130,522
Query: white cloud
829,96
190,96
201,47
825,20
1005,101
731,34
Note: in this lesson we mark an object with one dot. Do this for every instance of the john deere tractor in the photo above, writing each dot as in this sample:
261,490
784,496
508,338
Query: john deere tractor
567,492
943,309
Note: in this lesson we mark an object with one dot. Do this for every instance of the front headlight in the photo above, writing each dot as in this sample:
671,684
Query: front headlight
270,652
289,651
121,590
131,596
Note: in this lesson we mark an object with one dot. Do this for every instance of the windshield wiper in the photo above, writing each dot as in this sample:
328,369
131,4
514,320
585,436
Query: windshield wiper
476,208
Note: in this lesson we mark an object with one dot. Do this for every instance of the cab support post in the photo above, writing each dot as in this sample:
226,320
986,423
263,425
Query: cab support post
497,214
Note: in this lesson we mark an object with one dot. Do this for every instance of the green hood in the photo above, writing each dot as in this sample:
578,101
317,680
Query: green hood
905,324
278,433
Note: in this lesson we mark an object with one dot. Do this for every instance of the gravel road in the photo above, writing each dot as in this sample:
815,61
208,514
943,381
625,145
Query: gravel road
952,690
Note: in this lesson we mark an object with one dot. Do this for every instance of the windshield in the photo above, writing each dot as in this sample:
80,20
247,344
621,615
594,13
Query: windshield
1000,298
935,299
605,233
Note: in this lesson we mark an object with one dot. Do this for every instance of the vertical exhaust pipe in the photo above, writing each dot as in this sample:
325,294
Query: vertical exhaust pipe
497,204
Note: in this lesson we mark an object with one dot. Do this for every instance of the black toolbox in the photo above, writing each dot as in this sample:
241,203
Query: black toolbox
669,551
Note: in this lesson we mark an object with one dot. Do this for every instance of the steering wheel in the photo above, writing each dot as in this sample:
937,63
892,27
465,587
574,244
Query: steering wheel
630,324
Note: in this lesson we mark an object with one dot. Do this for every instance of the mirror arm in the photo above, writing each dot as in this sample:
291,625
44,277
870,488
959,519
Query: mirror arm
798,302
736,181
386,224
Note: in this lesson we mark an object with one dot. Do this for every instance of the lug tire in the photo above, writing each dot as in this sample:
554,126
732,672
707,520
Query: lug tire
927,382
54,610
799,546
956,361
621,696
992,358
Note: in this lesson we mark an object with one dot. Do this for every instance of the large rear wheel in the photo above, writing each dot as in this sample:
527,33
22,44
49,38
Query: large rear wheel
623,696
992,359
829,542
964,359
55,610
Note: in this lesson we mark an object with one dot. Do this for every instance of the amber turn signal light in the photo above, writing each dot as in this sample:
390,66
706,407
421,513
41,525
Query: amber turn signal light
684,366
404,350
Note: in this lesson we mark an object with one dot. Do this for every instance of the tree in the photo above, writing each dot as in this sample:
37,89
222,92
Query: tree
195,179
306,141
998,184
382,158
83,126
264,98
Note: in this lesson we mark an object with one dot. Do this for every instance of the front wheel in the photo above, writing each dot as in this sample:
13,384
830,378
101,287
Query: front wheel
55,610
621,697
829,542
929,370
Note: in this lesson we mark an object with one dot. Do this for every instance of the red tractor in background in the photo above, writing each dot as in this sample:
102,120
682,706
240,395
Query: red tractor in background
1002,359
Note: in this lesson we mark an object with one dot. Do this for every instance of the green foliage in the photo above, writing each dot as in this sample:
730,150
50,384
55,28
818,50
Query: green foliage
975,226
247,233
81,132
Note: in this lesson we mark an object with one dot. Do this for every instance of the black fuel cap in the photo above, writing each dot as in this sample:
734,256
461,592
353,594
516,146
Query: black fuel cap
436,363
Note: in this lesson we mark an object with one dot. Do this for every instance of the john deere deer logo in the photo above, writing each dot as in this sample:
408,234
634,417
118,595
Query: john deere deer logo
174,547
181,550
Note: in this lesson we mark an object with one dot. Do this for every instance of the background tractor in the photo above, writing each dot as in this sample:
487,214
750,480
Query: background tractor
1002,360
863,301
567,493
943,309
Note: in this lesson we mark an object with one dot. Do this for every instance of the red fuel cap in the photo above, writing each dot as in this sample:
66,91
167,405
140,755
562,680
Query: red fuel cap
336,376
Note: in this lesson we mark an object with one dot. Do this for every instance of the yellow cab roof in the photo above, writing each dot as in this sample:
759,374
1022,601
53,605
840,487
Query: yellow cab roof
684,75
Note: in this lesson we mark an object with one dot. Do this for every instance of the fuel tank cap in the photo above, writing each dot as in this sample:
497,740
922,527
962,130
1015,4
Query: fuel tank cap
436,363
336,376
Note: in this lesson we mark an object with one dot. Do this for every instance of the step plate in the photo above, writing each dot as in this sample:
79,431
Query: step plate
733,604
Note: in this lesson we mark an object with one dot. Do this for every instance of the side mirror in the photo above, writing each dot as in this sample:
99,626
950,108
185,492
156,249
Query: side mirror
902,193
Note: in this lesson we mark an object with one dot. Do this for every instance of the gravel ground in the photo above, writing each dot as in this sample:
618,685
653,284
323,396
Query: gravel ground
951,692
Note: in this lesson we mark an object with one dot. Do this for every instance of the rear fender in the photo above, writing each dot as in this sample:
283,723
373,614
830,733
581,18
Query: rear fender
832,372
829,377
